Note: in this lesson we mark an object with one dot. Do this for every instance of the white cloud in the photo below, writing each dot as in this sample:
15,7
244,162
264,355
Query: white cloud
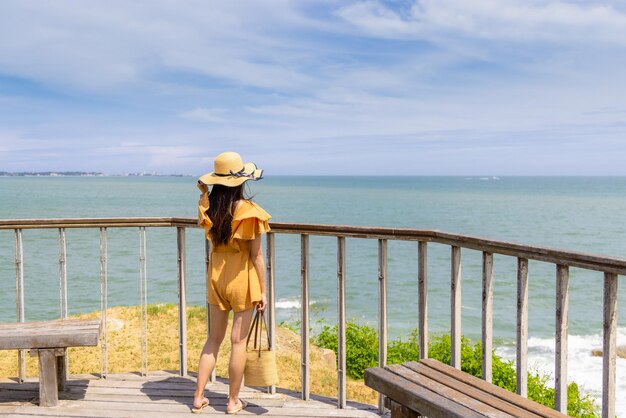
205,114
495,20
115,86
100,45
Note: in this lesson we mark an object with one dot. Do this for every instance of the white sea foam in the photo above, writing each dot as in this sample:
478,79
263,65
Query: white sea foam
583,368
290,304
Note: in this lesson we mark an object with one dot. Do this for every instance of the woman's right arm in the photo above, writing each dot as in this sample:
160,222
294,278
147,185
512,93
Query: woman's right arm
256,255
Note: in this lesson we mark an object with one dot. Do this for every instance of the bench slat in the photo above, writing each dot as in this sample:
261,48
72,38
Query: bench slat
49,334
57,324
448,392
471,391
504,394
426,402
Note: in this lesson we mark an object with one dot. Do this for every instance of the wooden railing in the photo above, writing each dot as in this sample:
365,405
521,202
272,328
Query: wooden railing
612,267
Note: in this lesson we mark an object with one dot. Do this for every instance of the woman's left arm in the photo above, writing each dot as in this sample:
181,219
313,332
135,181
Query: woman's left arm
256,254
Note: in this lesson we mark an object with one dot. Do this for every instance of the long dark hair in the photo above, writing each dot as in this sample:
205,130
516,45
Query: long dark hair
222,200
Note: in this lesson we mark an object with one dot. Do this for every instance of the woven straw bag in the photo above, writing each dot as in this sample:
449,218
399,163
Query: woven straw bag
260,363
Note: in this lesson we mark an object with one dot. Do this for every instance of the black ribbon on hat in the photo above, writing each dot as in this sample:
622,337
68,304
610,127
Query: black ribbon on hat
240,173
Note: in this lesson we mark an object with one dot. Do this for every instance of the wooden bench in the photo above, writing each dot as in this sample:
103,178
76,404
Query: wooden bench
49,341
433,389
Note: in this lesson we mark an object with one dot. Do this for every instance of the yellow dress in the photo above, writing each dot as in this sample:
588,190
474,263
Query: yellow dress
232,281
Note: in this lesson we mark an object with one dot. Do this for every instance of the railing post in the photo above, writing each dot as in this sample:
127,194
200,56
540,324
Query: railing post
487,320
455,303
104,305
207,261
182,299
304,334
382,311
522,327
19,299
608,345
62,274
422,289
562,308
63,289
341,322
143,299
271,293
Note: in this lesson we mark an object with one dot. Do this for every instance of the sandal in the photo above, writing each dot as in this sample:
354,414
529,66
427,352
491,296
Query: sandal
205,403
238,408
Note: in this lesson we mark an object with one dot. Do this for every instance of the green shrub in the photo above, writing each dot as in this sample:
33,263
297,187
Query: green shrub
362,352
361,347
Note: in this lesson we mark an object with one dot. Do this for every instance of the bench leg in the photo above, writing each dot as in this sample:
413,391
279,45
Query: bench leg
401,411
61,371
48,391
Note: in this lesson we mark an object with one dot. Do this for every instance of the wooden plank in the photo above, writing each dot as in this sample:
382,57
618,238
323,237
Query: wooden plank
129,395
48,390
401,411
270,277
422,289
473,392
62,371
414,396
54,324
608,345
181,255
561,332
382,311
557,256
455,307
492,389
49,341
304,318
487,317
177,408
532,252
521,365
447,391
341,322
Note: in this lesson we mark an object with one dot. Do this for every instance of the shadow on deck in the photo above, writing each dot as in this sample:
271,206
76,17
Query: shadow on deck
161,394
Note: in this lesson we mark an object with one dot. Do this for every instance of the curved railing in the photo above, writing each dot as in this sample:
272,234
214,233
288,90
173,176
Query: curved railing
612,267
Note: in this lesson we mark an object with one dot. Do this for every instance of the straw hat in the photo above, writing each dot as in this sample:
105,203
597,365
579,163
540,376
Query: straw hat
229,170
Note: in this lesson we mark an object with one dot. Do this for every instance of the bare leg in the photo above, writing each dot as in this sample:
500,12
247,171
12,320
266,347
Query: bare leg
208,357
241,326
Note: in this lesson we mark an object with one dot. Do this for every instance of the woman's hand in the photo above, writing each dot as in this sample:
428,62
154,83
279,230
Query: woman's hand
202,187
261,305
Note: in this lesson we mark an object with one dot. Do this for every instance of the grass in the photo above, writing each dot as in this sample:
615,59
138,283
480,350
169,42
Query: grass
125,349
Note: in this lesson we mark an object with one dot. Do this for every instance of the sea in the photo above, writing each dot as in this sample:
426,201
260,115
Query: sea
575,213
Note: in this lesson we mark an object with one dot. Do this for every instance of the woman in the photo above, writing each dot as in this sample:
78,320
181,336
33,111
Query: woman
236,276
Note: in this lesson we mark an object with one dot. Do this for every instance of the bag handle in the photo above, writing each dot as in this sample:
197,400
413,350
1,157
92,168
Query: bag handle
256,328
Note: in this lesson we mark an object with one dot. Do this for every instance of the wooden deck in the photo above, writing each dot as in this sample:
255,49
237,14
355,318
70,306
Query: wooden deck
161,394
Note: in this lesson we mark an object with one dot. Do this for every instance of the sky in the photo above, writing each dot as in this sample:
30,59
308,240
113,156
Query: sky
406,87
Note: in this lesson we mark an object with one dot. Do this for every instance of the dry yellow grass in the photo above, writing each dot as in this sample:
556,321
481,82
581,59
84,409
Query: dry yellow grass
124,351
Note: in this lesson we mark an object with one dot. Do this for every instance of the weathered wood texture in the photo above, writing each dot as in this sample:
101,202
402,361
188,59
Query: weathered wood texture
422,302
49,334
522,327
162,394
455,307
487,321
561,333
609,342
434,389
532,252
48,340
304,318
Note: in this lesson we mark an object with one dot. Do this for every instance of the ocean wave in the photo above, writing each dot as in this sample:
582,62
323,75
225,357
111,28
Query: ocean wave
290,304
583,368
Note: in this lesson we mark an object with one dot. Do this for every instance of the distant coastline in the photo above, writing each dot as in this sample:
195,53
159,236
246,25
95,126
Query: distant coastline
80,174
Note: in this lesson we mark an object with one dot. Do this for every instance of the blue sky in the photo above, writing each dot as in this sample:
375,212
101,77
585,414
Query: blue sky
422,87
